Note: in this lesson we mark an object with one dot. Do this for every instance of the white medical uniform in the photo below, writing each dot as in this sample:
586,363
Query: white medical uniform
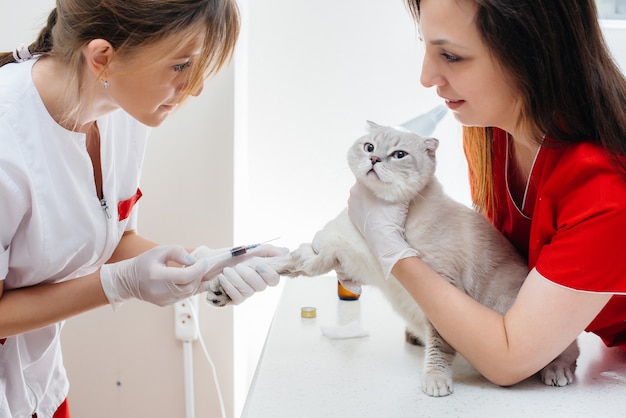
53,227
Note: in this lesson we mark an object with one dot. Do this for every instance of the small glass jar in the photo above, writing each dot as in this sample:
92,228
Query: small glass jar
345,294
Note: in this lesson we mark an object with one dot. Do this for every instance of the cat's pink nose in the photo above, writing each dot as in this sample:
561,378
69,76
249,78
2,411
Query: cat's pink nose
374,159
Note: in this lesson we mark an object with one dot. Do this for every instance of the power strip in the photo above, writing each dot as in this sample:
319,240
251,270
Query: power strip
185,319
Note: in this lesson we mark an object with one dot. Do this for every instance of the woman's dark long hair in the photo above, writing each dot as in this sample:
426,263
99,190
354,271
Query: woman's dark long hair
569,86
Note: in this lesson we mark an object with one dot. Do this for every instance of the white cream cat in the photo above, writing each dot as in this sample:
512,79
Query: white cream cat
454,240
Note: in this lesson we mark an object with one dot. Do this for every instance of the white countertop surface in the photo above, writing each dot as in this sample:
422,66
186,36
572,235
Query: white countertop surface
303,373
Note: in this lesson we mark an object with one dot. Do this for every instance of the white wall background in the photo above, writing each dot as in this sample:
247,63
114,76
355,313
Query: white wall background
316,72
306,78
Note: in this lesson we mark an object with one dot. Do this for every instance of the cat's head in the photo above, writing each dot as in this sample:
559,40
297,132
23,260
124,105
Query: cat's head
395,165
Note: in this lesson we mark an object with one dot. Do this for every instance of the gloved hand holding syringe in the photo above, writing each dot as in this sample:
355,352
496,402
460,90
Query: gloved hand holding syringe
241,270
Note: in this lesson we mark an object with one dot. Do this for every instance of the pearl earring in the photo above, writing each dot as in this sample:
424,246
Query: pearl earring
105,84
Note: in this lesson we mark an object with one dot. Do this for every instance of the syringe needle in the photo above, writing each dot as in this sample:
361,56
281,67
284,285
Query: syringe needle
235,251
269,240
246,248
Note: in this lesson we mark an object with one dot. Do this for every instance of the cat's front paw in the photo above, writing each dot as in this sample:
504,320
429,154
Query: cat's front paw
215,294
303,261
556,374
560,371
438,384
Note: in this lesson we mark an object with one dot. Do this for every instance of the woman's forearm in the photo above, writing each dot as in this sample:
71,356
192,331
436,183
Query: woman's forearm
27,309
474,330
543,321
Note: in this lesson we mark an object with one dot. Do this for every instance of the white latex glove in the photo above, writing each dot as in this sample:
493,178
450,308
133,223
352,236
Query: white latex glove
382,225
247,274
147,277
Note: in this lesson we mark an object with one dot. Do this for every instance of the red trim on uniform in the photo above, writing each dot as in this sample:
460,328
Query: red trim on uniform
125,207
63,411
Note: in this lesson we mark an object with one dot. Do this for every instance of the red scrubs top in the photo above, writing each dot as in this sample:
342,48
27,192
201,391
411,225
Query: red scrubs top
570,223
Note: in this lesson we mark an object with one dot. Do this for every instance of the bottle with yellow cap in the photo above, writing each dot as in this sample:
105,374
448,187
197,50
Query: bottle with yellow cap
308,312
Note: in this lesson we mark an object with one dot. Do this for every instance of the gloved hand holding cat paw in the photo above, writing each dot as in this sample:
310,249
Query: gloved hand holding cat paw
241,276
382,225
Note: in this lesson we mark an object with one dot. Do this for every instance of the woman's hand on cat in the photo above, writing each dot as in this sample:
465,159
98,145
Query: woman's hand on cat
382,225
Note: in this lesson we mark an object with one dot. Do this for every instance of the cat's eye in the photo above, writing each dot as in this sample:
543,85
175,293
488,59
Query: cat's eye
399,154
368,147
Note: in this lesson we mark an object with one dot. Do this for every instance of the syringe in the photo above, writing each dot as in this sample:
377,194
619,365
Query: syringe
242,249
228,253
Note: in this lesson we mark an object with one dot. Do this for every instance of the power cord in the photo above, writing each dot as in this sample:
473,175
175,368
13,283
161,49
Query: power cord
187,329
196,318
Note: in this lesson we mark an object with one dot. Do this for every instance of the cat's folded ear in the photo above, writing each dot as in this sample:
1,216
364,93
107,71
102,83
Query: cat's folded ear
431,145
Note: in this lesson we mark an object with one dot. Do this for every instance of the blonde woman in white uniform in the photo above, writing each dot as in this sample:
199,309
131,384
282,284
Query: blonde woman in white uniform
76,108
